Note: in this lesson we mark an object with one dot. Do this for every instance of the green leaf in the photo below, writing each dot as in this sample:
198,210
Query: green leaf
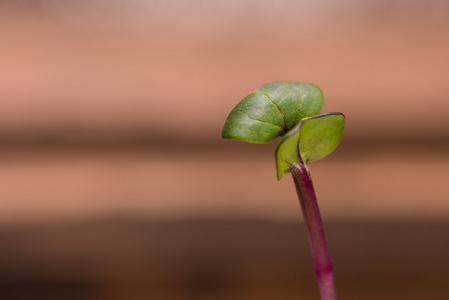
312,139
287,151
320,135
271,111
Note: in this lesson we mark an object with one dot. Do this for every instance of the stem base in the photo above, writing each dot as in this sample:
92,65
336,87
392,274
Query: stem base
315,230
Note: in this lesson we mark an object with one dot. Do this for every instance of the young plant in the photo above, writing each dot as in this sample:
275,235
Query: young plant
291,110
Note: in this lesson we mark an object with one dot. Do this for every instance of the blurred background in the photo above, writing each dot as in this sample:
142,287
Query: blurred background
115,182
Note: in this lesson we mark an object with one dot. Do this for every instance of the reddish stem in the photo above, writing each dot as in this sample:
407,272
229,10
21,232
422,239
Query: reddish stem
315,230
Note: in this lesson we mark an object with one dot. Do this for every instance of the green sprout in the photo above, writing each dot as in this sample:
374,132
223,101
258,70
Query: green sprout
291,111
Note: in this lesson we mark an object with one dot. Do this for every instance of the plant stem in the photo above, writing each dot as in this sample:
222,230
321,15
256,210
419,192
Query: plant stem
315,230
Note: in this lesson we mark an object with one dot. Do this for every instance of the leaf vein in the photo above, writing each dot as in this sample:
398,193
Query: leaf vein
254,119
285,127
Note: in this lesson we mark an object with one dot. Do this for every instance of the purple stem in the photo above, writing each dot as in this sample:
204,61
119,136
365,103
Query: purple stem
315,230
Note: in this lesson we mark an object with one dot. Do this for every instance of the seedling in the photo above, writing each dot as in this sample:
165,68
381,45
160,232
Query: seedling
291,110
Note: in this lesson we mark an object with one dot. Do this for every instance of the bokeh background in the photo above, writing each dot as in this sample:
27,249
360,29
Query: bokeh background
115,182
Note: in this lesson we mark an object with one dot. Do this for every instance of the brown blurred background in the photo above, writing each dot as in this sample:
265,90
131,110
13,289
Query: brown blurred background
115,183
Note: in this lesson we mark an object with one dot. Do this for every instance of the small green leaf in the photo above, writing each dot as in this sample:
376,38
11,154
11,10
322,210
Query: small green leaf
271,111
312,139
320,135
287,151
